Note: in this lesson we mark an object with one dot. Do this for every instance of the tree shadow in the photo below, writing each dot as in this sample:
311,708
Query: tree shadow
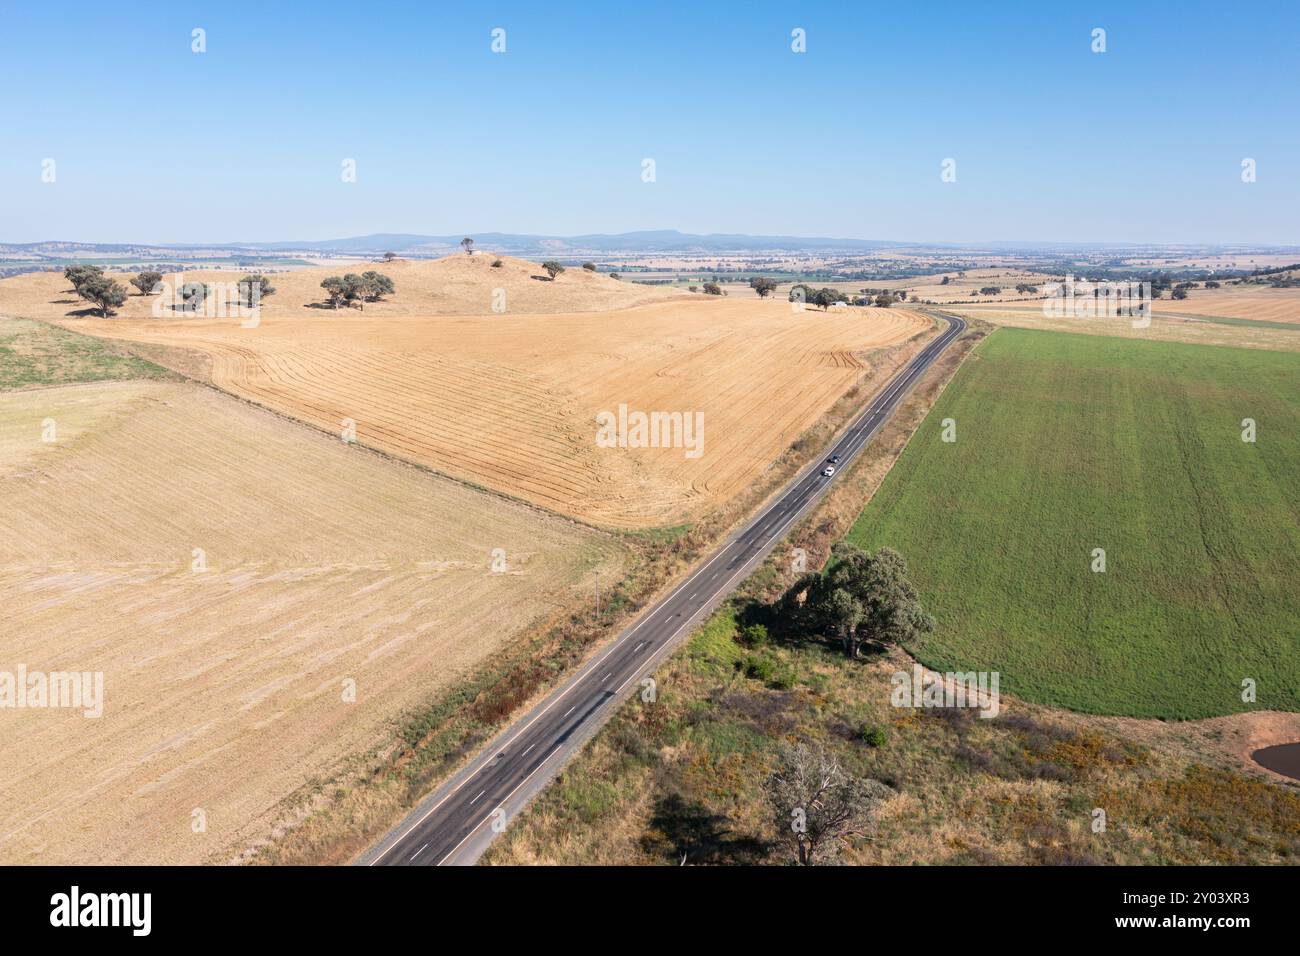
685,829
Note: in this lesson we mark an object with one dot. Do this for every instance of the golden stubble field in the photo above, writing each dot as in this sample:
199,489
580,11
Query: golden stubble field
1187,320
226,682
510,400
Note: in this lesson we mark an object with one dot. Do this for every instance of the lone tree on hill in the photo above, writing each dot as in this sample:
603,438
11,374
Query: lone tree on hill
103,292
552,267
817,806
389,256
763,286
468,245
712,288
146,281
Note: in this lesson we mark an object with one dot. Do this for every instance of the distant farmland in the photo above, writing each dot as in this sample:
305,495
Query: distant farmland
1066,443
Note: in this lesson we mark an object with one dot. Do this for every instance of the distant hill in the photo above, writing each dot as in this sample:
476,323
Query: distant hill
662,240
410,244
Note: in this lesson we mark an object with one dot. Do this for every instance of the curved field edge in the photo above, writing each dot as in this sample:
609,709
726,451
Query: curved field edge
1068,443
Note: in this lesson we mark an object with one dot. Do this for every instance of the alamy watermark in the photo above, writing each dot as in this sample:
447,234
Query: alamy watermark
975,690
1081,299
211,300
73,690
636,429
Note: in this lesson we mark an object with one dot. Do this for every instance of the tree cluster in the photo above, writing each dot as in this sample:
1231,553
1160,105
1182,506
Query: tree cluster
91,284
353,289
824,297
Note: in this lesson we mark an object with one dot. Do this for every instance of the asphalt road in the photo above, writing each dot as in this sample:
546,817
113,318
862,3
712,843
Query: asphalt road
455,824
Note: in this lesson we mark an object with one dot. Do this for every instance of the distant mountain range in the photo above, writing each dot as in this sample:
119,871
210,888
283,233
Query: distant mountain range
664,240
667,241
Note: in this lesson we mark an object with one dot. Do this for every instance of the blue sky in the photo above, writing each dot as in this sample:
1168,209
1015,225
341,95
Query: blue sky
1142,143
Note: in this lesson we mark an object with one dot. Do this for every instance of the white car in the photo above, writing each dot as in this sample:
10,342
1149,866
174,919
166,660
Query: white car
828,471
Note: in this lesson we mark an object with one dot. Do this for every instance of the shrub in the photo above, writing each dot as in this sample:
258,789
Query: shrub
874,736
758,667
774,673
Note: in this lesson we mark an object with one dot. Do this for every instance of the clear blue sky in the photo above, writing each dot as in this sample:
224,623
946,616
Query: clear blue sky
153,143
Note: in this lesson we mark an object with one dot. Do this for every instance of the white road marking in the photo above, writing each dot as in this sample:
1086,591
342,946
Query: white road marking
500,806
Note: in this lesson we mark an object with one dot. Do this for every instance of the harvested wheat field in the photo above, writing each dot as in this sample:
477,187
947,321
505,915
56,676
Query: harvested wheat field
1165,326
225,682
510,401
455,285
1254,303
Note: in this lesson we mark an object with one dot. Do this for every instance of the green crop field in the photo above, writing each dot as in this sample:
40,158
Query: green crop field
35,354
1067,443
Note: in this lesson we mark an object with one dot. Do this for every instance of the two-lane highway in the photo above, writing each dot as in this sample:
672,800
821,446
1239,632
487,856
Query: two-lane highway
455,824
